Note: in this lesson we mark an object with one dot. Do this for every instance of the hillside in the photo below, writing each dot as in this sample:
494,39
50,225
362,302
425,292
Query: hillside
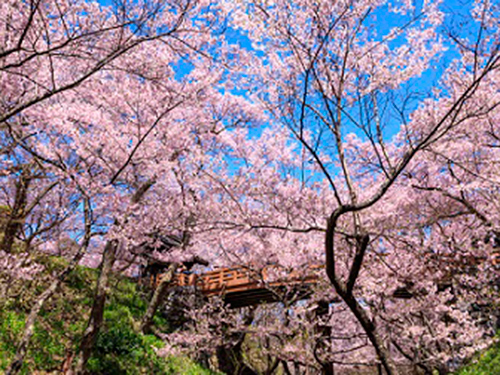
120,349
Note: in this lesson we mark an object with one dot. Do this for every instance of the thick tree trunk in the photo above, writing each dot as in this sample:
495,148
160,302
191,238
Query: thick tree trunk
22,348
15,220
157,299
97,313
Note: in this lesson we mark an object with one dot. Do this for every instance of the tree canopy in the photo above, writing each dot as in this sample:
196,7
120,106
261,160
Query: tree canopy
360,136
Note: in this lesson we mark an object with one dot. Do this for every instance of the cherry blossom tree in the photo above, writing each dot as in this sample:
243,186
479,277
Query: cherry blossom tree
92,93
330,77
123,124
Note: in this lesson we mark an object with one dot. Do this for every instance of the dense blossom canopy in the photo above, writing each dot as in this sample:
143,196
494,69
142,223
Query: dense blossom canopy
357,134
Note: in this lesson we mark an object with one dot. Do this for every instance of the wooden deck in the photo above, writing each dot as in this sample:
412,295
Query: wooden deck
243,287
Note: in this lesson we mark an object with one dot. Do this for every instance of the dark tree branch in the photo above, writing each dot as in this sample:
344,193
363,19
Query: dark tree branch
361,246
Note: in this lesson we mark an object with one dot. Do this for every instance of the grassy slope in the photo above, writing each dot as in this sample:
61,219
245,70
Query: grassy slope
487,363
119,349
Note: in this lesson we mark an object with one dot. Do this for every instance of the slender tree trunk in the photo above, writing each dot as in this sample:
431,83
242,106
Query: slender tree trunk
345,290
286,369
102,288
273,367
328,369
371,331
22,348
157,299
296,368
97,312
14,222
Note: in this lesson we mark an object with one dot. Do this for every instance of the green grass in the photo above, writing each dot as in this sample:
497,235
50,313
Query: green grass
485,363
120,348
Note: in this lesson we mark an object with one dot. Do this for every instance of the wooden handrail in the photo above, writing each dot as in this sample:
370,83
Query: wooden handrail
240,279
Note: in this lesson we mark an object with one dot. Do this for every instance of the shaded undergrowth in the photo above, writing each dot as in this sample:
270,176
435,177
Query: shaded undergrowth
120,348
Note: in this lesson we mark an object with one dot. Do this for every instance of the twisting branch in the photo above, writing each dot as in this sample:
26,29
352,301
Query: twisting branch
361,246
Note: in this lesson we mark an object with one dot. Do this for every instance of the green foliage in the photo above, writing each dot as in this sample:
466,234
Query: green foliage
11,326
487,363
120,348
186,367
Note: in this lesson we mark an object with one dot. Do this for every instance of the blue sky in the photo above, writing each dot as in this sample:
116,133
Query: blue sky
420,86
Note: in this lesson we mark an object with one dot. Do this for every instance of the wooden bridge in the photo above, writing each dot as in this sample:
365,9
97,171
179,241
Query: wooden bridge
243,287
